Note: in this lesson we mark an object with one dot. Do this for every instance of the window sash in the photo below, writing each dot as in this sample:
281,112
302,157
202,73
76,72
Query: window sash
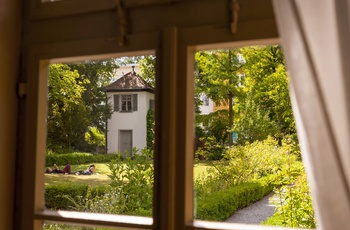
126,103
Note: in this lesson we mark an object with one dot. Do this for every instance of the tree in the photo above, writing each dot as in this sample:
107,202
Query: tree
66,109
253,123
98,74
148,69
266,85
218,75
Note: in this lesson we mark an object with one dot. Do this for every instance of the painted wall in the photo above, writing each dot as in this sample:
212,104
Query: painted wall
135,121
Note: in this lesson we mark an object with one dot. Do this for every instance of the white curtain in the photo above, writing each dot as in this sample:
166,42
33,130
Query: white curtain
315,35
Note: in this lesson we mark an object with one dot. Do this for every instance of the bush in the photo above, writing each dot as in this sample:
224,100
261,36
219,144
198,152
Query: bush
133,182
65,196
220,205
77,158
293,206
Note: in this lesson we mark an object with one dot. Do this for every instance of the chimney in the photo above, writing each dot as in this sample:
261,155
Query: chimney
133,69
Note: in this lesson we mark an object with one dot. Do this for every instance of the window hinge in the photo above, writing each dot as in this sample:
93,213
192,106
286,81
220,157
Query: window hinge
22,89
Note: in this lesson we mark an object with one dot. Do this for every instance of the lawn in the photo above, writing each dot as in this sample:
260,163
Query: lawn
101,176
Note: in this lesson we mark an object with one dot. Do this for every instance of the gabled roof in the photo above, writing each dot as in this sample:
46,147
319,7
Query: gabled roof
128,83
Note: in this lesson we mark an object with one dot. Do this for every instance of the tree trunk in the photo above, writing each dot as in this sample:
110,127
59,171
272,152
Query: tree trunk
230,115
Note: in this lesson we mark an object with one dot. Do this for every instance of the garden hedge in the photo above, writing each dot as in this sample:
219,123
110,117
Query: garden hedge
221,205
56,196
77,158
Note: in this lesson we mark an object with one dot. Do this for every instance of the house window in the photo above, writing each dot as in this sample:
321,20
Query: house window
125,103
205,100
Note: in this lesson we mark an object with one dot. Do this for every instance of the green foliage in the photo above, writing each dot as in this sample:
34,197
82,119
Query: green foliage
65,196
148,69
220,205
253,123
266,84
215,126
218,76
133,181
293,206
77,158
150,129
211,149
247,163
66,109
95,137
76,102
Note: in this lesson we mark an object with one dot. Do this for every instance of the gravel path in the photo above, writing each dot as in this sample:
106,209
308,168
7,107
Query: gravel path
255,213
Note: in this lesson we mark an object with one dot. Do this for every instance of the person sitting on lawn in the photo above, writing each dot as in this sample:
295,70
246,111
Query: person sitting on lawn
90,170
56,170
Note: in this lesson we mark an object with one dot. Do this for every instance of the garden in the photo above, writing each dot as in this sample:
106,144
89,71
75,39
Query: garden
243,151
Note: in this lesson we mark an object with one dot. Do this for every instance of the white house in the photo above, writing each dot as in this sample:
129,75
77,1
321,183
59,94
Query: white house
207,104
131,98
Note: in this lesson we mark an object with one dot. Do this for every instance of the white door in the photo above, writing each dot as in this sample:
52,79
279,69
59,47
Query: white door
125,142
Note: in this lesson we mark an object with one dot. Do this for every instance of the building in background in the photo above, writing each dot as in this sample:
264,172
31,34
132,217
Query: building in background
131,98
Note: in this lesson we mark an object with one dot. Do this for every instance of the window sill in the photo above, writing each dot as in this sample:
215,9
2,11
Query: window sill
201,225
96,219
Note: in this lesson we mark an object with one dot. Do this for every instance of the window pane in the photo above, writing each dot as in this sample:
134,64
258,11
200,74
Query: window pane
99,159
248,165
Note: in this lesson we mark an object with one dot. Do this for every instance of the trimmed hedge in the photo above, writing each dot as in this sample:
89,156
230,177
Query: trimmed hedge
221,205
55,195
77,158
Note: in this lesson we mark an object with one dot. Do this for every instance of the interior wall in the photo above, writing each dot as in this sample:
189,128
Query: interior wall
10,35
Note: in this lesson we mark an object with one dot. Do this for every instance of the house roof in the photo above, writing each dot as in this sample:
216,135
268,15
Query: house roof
128,83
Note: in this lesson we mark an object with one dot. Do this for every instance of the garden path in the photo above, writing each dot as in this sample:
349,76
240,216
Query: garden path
255,213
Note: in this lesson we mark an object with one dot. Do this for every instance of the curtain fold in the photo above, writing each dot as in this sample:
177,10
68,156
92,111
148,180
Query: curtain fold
316,41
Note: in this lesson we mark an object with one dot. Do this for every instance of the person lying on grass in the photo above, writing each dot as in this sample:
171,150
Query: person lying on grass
89,171
67,170
56,170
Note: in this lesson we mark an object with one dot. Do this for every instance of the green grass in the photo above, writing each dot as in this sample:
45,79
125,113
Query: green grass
101,176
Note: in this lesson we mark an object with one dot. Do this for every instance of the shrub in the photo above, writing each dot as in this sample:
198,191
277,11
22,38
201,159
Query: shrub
77,158
133,182
220,205
64,196
293,206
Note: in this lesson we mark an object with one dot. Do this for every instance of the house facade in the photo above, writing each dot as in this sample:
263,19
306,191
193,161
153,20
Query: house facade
131,98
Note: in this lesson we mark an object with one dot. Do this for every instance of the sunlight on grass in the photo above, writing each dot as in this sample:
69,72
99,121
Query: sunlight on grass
101,176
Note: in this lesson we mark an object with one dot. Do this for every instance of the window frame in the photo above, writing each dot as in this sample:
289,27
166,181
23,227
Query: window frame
175,47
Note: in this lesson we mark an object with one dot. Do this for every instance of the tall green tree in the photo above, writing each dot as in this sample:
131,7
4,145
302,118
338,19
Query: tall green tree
148,69
266,85
98,74
218,75
66,119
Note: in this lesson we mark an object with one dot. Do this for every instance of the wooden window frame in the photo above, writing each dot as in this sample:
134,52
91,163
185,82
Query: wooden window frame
174,47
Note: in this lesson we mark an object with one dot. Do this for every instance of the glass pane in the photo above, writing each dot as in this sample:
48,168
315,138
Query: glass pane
99,159
248,166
